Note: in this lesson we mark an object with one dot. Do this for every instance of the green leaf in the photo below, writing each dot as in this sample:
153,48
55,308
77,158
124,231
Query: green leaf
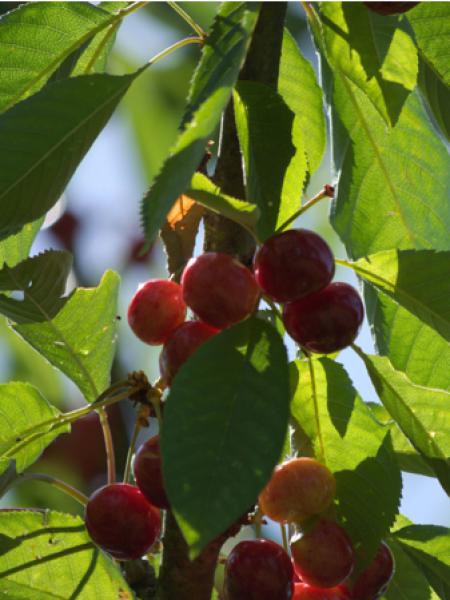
408,458
225,423
298,87
22,407
431,24
274,158
218,69
429,548
408,582
37,37
47,555
44,139
207,193
80,339
372,52
437,96
16,248
419,280
353,445
42,280
412,346
421,413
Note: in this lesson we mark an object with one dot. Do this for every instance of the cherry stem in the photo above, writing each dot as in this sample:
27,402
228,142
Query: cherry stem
284,537
109,445
273,306
57,483
189,20
326,192
131,448
173,47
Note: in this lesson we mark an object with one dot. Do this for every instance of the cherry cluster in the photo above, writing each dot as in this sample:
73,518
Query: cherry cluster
300,492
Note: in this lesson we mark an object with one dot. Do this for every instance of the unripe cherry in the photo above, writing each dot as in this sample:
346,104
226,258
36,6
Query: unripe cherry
297,490
156,309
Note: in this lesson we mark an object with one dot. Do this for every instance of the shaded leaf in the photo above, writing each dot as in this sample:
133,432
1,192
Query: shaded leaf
429,548
408,582
351,443
273,153
421,413
48,555
222,57
431,24
38,36
42,280
437,95
298,87
44,138
225,423
80,339
372,52
21,408
419,280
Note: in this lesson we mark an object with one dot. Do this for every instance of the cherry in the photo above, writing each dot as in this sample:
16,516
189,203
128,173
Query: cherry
148,473
156,309
121,521
323,556
258,570
374,580
326,321
180,345
303,591
293,264
219,289
297,490
390,8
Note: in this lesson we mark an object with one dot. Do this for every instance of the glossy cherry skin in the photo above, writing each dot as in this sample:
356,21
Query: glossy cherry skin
293,264
258,570
298,489
148,472
303,591
121,521
219,289
326,321
324,555
374,580
156,309
390,8
180,345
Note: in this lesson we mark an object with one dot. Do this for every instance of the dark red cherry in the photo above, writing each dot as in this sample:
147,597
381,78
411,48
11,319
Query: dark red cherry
326,321
180,345
293,264
390,8
323,556
148,472
156,309
303,591
121,521
219,289
258,570
374,580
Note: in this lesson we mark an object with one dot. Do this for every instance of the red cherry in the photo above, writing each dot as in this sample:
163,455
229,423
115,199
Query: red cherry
293,264
326,321
219,289
180,345
258,570
374,580
121,521
303,591
156,309
148,473
324,555
390,8
298,489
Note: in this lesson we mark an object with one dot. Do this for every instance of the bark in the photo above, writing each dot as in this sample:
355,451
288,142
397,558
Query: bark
180,578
